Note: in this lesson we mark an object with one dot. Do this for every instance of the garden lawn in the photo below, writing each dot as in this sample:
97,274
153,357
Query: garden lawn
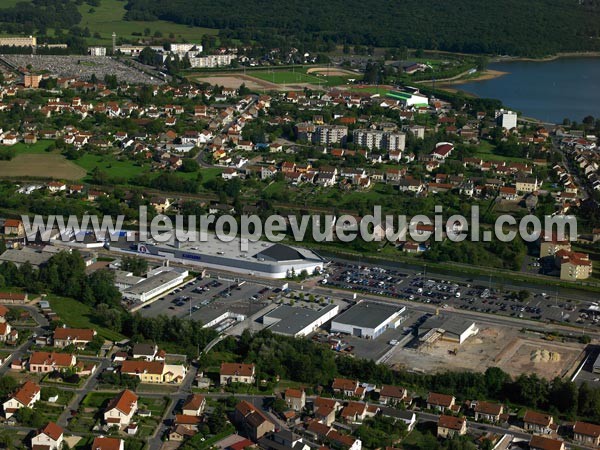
77,315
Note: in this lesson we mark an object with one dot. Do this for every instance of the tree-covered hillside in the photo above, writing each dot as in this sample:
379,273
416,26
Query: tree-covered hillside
516,27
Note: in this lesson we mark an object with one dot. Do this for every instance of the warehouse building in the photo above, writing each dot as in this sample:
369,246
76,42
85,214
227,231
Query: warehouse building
368,319
297,321
447,328
158,282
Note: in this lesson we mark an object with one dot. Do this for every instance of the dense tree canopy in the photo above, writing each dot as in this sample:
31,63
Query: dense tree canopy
535,27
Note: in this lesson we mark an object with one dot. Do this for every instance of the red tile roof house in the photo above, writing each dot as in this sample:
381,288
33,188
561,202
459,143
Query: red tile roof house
449,426
120,409
254,422
545,443
586,433
488,411
44,362
107,443
24,397
440,402
295,399
194,405
349,388
13,298
79,337
392,394
48,438
325,409
8,334
237,373
538,423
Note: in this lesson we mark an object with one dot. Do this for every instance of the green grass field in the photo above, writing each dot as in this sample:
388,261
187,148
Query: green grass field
108,18
97,399
485,151
37,148
77,315
112,166
128,170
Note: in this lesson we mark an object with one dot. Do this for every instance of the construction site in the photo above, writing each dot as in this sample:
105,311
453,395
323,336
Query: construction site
514,351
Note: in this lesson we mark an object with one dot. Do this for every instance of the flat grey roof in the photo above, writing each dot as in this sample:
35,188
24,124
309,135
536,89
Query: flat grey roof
152,283
368,314
35,258
597,362
450,324
292,319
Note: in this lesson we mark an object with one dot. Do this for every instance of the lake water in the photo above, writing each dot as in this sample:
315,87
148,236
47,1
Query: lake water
546,90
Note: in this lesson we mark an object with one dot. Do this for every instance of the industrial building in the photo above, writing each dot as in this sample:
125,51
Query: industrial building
158,281
368,319
261,259
447,328
297,321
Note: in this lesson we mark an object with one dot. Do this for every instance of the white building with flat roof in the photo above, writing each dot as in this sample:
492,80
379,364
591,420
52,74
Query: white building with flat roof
297,321
368,319
158,281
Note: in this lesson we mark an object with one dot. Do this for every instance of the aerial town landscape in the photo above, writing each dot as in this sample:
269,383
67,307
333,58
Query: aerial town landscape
194,244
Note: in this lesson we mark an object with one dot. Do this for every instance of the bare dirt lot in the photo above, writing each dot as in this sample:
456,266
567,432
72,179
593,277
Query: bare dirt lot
41,166
507,348
235,81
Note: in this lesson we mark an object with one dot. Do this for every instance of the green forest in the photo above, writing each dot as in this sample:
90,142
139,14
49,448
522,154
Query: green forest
532,28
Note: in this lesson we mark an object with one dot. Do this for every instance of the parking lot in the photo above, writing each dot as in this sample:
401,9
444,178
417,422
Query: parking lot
468,295
207,300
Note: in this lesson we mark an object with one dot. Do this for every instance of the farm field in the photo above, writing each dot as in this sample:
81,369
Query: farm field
41,165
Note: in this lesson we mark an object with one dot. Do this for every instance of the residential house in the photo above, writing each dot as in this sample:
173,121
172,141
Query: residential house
44,362
348,388
237,373
325,409
450,426
252,421
78,337
545,443
7,333
48,438
527,184
24,397
154,371
538,422
586,434
147,352
440,402
120,409
488,411
295,399
194,405
14,227
390,395
107,443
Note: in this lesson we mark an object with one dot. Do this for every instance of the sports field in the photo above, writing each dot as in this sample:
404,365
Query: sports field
300,77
